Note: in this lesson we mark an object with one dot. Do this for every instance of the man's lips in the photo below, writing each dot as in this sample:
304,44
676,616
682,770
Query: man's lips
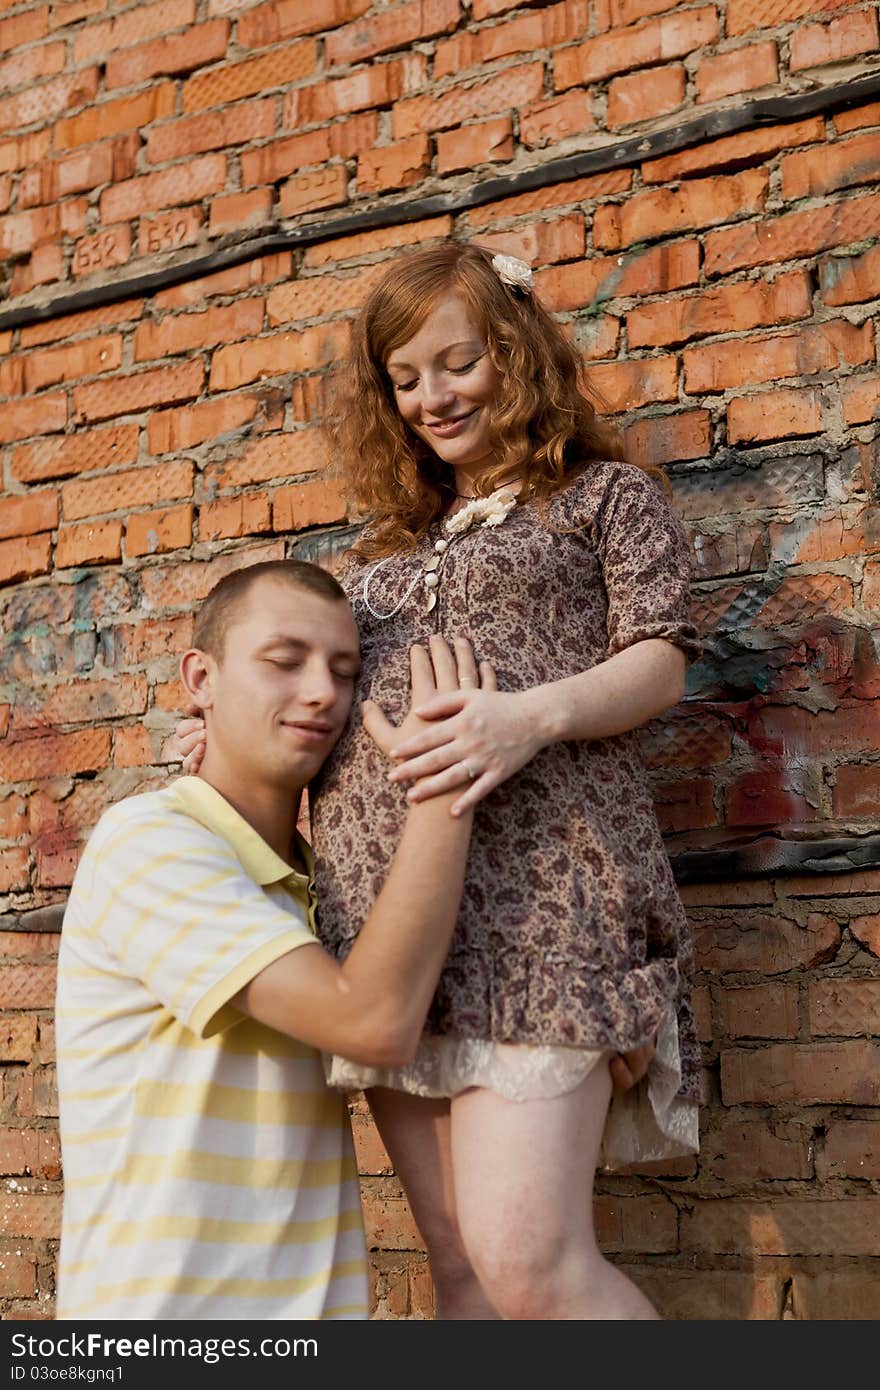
310,730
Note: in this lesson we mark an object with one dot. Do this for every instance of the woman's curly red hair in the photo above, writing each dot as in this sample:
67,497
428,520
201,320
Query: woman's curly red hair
543,426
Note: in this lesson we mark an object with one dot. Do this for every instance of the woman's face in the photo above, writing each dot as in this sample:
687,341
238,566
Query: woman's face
444,384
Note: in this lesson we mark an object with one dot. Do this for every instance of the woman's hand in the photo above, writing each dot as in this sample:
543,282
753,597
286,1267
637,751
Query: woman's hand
476,738
628,1068
437,672
192,739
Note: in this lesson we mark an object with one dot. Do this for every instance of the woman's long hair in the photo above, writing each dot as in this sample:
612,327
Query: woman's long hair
543,427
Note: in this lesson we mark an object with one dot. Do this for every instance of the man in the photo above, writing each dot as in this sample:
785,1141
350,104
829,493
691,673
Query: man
209,1172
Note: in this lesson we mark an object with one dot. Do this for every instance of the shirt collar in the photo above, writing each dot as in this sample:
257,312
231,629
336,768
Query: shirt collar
205,804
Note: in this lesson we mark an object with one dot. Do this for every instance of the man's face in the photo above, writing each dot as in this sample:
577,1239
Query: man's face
281,694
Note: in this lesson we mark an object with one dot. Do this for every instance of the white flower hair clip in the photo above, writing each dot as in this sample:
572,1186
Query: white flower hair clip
514,272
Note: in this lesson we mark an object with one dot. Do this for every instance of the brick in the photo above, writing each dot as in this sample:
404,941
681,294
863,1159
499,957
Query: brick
573,194
321,188
395,28
867,929
123,491
185,333
772,796
93,543
846,1226
853,1295
233,125
80,702
515,87
671,36
768,943
741,70
69,363
125,30
47,100
13,815
756,1151
743,15
320,295
857,789
774,415
796,235
18,1276
681,741
266,460
687,804
546,122
714,1295
280,67
648,1224
760,1011
314,348
850,279
22,232
26,514
134,644
814,45
132,747
35,1152
731,491
548,27
14,874
175,584
151,533
235,211
743,361
860,397
844,1008
367,89
171,430
646,95
843,165
661,439
748,147
175,53
602,279
628,385
55,755
308,504
184,183
102,251
725,309
699,203
843,1073
286,19
235,516
22,419
76,453
116,117
70,326
614,14
22,559
26,28
169,230
31,1215
28,986
540,243
398,165
78,172
788,731
808,540
137,392
857,117
45,265
852,1148
24,150
487,142
31,65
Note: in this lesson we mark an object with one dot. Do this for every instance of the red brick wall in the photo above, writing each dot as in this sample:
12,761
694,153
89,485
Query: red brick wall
727,298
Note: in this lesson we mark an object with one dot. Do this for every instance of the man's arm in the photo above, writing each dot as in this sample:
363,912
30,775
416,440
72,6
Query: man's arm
372,1007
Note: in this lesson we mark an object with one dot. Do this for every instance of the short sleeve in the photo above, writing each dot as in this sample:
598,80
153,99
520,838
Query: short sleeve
646,564
188,922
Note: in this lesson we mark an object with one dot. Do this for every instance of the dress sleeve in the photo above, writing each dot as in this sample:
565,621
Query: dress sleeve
646,564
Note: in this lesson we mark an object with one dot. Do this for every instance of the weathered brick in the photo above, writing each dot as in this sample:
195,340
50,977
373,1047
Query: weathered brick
287,19
787,731
601,279
848,1226
843,165
758,1151
743,15
540,243
764,942
715,1295
486,142
814,45
174,585
174,53
390,29
725,309
844,1073
183,183
319,295
852,1148
546,122
321,188
760,1011
94,542
646,95
123,491
774,415
688,804
515,87
809,539
138,391
648,1224
697,203
398,165
18,1275
75,453
68,326
850,279
151,533
797,234
245,515
628,385
25,515
853,1295
102,251
47,100
748,147
234,211
133,747
854,118
741,70
23,419
671,36
308,504
267,460
818,348
27,986
669,438
572,194
171,430
185,333
860,398
54,365
104,119
844,1008
33,1215
314,348
34,1152
22,559
234,125
170,230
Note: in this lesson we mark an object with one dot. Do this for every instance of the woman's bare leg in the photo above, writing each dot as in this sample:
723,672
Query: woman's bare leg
523,1181
416,1133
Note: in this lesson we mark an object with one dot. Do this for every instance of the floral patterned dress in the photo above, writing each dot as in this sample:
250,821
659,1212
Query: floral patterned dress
571,940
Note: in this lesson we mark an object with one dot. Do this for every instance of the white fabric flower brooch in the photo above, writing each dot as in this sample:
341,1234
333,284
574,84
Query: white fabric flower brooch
514,272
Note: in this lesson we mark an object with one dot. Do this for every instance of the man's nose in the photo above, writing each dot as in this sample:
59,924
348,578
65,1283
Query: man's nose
318,687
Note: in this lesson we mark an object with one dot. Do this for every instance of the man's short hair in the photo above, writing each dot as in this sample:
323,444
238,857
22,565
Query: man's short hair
220,608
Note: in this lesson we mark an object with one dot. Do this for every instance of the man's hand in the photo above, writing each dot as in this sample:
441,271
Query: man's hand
434,671
628,1068
191,739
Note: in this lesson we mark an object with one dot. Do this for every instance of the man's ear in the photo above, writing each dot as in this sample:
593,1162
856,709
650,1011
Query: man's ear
197,672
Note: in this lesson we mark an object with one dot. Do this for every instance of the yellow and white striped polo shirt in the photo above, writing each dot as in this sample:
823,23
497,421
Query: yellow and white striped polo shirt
208,1170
